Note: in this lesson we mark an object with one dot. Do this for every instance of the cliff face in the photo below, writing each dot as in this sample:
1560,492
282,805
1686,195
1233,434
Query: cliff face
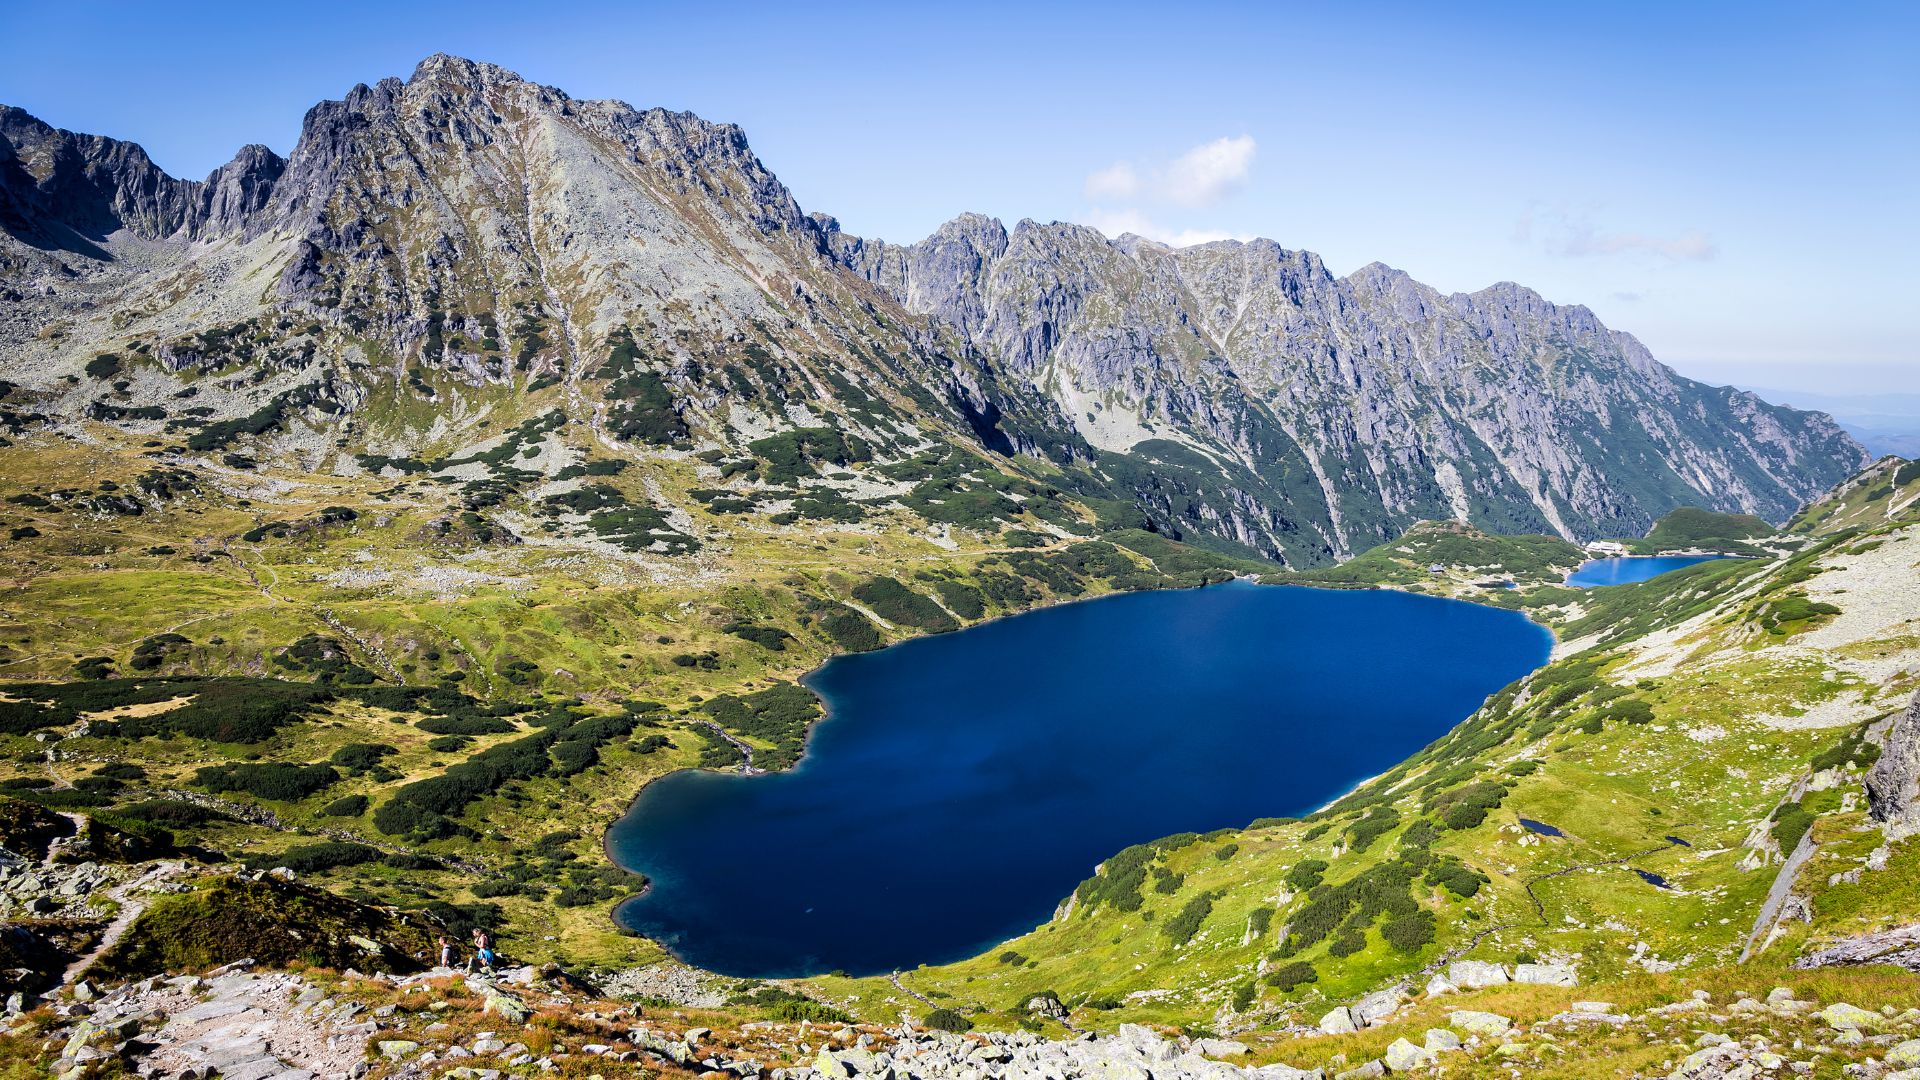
1893,784
57,186
1343,409
469,224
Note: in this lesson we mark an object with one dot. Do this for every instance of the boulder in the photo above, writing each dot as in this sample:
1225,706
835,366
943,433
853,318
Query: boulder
1841,1016
1904,1056
1479,1023
1195,1067
1147,1042
1474,974
1439,985
1376,1007
1218,1048
500,1003
830,1067
1440,1039
1544,974
1338,1022
1402,1056
1047,1005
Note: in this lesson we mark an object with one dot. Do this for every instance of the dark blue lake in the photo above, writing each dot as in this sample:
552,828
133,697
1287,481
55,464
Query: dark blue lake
1631,568
963,784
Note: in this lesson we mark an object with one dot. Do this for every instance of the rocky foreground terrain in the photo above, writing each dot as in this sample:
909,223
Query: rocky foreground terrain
240,1024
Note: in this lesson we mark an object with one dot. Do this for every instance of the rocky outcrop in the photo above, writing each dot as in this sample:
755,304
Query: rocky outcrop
64,188
1899,946
1893,783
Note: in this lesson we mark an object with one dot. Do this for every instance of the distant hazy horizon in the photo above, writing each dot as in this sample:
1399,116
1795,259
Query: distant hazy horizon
1731,184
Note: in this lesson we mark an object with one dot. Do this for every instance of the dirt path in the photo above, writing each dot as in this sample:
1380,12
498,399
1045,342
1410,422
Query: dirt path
910,991
130,909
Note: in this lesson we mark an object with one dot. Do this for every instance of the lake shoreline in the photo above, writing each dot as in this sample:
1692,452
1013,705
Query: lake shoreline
1319,634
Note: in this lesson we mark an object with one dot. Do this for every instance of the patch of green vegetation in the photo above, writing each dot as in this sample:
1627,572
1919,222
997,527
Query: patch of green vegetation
1791,820
273,780
272,923
1117,884
849,630
896,603
230,710
779,715
791,455
1692,529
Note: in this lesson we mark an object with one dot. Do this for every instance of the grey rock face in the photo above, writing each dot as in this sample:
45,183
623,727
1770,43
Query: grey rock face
1893,783
92,185
1474,974
1545,974
1899,946
1336,411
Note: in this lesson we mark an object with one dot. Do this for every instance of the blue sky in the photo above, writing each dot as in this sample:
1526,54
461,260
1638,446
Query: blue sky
1736,184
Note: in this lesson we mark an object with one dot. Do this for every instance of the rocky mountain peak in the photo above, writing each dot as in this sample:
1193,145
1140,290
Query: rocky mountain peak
469,220
446,69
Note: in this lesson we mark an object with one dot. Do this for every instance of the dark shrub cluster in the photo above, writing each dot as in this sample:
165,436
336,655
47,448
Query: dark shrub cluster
1467,806
277,780
1117,884
896,603
564,743
1186,922
771,638
849,630
1289,976
234,710
313,858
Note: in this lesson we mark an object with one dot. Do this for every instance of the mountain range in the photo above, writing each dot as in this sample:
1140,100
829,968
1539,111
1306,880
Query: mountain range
466,234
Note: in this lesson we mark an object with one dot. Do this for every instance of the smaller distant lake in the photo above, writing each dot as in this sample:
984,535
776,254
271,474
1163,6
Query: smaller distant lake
1540,827
1631,568
1652,878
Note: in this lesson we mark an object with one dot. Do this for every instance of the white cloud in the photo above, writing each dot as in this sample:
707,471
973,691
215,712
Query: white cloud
1115,183
1577,237
1115,223
1209,172
1201,177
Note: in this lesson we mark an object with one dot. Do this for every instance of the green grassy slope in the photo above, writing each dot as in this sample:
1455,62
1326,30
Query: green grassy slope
1669,736
1692,529
573,624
